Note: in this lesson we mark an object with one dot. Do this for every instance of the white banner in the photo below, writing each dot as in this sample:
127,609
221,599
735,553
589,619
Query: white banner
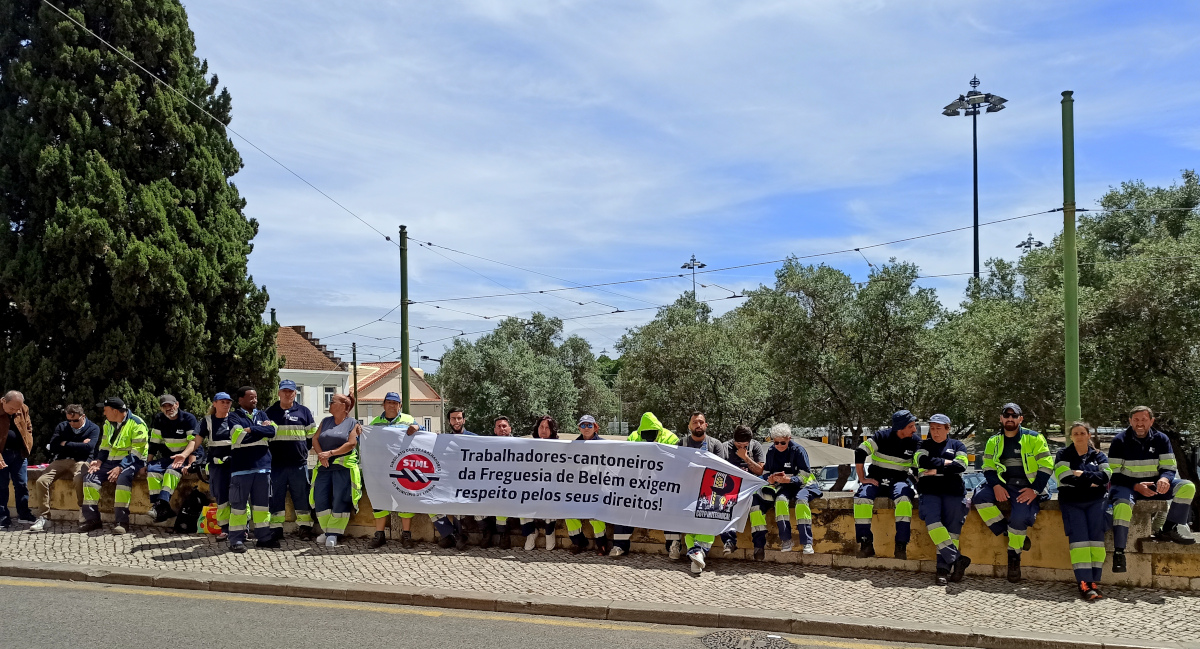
639,484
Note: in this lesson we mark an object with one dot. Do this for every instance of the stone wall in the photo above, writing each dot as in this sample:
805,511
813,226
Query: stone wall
1151,564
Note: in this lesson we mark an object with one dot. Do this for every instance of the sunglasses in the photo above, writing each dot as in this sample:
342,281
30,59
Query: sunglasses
587,425
74,420
783,443
1009,415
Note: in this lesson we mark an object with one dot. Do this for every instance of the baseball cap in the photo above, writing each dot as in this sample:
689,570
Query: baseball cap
222,396
112,402
901,419
1013,407
167,398
587,419
392,396
940,419
287,384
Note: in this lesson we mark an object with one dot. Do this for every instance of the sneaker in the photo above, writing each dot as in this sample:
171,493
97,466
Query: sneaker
697,558
808,549
40,524
8,528
320,539
786,546
760,554
531,542
1179,533
901,551
1086,592
960,568
1096,587
1118,561
377,541
445,542
603,547
331,540
118,530
460,542
942,577
239,548
153,511
88,526
1014,566
675,550
222,537
728,549
406,541
866,548
164,513
551,541
617,551
269,543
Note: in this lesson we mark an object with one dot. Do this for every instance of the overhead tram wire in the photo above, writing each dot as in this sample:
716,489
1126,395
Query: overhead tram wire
219,122
857,249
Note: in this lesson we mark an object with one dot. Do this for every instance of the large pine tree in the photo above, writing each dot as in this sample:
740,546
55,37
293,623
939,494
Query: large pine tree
123,266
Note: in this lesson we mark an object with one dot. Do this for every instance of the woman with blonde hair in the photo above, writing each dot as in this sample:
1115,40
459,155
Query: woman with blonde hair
1083,474
337,478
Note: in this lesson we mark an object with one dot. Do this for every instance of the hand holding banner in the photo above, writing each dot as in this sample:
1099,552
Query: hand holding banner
639,484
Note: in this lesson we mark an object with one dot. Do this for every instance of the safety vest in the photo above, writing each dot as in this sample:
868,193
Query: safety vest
650,422
1035,455
130,437
402,419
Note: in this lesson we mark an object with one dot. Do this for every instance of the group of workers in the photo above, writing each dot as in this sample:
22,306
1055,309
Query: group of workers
253,458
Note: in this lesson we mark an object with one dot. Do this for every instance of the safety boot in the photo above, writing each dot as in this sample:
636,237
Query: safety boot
406,540
960,568
1118,561
1178,533
901,551
505,538
377,541
446,542
1014,566
866,548
942,577
489,531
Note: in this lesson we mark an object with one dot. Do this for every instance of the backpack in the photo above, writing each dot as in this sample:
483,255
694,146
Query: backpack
189,512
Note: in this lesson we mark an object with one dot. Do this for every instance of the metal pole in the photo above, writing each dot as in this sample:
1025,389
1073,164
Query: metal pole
405,388
693,277
1070,263
354,362
975,172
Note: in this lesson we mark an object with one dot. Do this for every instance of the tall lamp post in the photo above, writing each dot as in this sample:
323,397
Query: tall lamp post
971,103
693,265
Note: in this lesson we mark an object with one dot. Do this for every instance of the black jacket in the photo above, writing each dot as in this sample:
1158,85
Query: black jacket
67,443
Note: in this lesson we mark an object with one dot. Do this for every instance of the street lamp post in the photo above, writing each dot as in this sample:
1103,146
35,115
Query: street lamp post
971,103
693,264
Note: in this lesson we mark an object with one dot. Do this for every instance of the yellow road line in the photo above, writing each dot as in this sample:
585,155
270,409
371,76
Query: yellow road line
398,609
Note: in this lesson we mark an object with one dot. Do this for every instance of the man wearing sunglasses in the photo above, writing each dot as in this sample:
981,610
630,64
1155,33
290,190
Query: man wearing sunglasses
589,430
1017,466
72,446
789,478
891,451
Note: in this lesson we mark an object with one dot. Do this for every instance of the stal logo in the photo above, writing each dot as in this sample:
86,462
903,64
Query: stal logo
415,471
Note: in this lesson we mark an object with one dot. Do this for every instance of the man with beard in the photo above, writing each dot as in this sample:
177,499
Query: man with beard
1017,466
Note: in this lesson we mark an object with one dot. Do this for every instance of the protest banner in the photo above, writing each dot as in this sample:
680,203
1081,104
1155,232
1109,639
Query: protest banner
639,484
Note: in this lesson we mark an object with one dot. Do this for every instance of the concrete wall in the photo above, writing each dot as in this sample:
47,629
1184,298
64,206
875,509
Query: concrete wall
1151,564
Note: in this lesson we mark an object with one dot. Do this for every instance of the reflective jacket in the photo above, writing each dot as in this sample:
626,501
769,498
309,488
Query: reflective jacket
1089,486
1141,459
1035,458
170,436
128,441
215,430
792,462
932,456
650,422
402,419
250,435
891,456
294,429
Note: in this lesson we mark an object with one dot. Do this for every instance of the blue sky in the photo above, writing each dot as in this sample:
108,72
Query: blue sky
604,141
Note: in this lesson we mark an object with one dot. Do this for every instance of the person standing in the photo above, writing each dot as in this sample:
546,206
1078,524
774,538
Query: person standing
1144,468
72,447
250,430
940,463
1017,466
337,478
789,478
588,431
295,427
546,428
393,417
744,452
648,430
124,445
171,430
16,443
891,451
1083,474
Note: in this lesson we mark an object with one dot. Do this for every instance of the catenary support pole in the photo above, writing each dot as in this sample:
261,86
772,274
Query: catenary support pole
354,363
1070,263
975,178
405,388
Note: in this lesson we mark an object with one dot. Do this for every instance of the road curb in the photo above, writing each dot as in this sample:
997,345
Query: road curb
534,604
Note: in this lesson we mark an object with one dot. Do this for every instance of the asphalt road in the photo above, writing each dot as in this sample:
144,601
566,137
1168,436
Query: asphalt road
41,614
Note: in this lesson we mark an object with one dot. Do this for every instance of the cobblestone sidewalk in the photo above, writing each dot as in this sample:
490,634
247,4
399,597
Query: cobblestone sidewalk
1032,606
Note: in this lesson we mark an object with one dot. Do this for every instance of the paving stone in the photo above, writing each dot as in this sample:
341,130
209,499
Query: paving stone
641,586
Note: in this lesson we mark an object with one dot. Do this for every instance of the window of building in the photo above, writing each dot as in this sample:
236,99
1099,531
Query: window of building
329,392
429,424
300,394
